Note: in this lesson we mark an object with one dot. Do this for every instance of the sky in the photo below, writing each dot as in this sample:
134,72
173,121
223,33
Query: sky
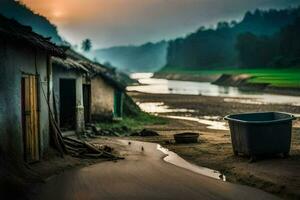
122,22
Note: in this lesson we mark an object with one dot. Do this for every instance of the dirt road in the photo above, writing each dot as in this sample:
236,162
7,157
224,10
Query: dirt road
142,175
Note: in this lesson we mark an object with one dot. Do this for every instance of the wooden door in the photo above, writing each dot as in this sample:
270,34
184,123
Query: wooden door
30,118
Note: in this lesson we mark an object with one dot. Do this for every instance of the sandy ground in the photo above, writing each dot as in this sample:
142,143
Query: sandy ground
280,176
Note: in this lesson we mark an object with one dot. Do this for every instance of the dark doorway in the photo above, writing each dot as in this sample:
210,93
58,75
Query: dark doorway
87,102
67,91
30,118
118,104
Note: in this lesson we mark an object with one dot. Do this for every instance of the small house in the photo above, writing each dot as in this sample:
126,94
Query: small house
71,93
107,93
25,91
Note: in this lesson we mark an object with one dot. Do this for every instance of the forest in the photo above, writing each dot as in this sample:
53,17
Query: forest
261,39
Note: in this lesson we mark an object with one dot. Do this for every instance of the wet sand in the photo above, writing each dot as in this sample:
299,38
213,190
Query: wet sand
209,105
274,174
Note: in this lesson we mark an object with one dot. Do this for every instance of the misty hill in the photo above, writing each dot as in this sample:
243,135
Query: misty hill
21,13
217,48
148,57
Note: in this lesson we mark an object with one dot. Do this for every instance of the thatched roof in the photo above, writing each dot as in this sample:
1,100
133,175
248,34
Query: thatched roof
78,62
69,64
13,30
96,69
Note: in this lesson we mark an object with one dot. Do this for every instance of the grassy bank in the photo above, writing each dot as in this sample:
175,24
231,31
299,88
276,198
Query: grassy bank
275,77
132,123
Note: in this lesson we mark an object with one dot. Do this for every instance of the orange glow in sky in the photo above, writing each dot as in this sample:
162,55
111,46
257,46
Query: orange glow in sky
122,22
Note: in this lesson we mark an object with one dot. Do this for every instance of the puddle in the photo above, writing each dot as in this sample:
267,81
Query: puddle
159,107
141,75
153,149
176,160
212,117
216,125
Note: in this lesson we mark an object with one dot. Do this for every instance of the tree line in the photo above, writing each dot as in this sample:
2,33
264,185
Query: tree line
261,39
280,50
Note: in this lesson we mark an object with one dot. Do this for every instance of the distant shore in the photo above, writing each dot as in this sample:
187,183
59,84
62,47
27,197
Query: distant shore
239,80
186,77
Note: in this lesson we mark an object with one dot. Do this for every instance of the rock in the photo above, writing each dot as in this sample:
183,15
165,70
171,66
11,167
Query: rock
108,148
105,132
125,128
146,133
96,129
135,134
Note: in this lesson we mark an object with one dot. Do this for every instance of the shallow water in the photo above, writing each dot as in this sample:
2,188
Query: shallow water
232,94
170,157
175,159
211,124
159,108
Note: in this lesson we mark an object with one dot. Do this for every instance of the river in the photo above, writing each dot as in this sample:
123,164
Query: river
231,94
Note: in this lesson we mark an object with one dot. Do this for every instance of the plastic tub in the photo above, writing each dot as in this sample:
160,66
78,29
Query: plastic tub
261,133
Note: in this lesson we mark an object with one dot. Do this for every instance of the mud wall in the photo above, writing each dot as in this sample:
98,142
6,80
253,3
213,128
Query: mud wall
102,99
15,60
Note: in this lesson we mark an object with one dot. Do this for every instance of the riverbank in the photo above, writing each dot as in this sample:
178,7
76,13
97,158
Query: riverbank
186,77
248,82
276,175
272,81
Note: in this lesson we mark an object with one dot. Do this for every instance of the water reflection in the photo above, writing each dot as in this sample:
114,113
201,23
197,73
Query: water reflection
175,159
211,124
159,108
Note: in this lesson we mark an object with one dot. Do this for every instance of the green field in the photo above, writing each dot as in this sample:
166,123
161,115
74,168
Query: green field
275,77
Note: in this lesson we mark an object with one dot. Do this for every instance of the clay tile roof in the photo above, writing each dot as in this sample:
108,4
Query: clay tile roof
11,29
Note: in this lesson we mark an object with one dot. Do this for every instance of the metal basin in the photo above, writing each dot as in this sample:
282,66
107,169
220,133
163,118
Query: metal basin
261,133
186,137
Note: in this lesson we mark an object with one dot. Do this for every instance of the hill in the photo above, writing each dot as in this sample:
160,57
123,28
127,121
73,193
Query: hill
148,57
21,13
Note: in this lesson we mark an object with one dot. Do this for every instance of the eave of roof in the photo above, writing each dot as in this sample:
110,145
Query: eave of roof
98,70
13,30
69,64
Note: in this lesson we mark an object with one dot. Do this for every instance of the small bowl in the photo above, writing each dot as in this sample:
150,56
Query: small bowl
186,137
